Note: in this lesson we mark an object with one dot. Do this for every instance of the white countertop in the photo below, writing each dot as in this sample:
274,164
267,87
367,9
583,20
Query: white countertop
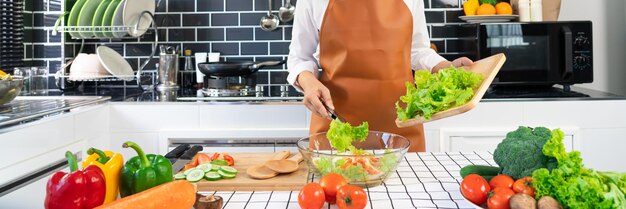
423,180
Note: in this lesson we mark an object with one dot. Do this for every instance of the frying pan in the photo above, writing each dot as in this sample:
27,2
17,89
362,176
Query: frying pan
234,68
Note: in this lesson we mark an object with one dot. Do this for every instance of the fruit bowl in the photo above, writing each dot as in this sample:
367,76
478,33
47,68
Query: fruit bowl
10,88
375,159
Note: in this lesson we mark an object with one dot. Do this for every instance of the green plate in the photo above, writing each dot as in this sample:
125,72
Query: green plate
73,19
99,15
85,18
107,19
118,20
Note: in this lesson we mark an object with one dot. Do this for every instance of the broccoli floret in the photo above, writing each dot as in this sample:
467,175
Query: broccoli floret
520,153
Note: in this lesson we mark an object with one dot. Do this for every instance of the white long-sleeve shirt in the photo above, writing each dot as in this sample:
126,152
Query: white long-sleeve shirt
304,48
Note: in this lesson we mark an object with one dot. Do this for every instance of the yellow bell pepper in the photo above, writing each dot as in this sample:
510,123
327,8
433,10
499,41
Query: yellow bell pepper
470,7
111,165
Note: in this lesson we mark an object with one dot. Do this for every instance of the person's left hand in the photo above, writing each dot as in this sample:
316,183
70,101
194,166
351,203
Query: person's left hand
459,62
462,61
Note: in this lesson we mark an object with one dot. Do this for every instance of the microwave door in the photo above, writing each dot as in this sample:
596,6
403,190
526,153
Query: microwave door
569,52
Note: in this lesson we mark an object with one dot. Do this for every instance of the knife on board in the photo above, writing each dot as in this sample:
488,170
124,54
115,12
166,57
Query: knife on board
177,152
185,158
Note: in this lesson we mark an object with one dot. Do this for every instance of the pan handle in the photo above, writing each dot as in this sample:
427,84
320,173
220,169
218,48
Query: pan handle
266,64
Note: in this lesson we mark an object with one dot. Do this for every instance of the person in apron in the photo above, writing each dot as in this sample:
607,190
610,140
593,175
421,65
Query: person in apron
366,50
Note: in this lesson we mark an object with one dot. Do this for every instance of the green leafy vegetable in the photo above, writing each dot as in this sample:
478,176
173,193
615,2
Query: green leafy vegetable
341,135
355,172
520,153
492,2
575,186
388,162
437,92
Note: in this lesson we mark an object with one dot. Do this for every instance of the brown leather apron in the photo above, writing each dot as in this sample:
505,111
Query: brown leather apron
365,54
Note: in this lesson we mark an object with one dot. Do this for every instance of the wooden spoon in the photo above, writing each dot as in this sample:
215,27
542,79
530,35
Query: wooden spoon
286,165
262,172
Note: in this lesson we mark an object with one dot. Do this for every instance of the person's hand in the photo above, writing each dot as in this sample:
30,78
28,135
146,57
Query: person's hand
462,61
459,62
314,93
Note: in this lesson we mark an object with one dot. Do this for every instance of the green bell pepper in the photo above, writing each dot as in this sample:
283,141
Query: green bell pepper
143,171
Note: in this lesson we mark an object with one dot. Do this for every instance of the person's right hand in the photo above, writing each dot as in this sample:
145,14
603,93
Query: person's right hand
314,93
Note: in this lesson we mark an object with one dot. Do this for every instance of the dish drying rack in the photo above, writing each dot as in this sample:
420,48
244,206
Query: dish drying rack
62,74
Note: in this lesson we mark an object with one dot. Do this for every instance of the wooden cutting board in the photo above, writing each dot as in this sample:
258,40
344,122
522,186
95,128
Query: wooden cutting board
488,67
242,182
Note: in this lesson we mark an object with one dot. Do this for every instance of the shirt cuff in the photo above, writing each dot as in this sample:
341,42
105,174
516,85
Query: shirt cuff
432,60
292,78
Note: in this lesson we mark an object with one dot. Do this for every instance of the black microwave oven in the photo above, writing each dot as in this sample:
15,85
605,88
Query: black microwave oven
541,53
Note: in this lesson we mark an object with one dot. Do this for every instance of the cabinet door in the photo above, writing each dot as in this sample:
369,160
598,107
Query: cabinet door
466,140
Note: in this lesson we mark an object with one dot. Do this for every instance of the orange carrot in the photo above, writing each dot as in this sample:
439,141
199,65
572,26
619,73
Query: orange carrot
172,195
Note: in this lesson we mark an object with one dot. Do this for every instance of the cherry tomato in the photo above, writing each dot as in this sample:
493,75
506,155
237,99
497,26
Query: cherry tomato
311,196
229,159
524,185
501,181
351,197
215,156
331,183
499,198
475,188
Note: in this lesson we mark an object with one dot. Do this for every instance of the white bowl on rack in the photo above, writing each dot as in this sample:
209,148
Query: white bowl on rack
87,67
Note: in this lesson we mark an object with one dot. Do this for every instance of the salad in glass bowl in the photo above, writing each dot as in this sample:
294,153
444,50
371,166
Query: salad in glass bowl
363,157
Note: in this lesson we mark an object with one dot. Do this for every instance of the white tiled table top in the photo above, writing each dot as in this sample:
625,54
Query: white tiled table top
423,180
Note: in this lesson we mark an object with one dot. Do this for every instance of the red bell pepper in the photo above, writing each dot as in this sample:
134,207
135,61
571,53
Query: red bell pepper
79,189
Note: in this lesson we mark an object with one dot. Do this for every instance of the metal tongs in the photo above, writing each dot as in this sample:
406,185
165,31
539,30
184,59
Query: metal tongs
332,113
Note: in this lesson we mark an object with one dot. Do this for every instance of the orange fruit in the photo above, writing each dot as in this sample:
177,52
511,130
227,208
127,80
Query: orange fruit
486,9
504,8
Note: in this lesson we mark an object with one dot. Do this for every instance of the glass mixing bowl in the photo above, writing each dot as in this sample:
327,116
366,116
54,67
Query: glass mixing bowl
10,88
379,156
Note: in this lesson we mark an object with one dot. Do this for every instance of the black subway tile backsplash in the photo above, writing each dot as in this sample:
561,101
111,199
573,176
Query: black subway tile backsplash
230,27
239,34
211,34
210,5
238,5
254,48
268,35
196,19
182,34
224,19
250,19
181,5
225,48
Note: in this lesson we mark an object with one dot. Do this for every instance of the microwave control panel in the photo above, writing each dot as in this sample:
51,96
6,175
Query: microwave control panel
582,52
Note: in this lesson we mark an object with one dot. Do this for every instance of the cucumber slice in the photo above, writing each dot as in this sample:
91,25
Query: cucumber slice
204,167
195,175
226,175
228,169
215,167
180,176
212,176
219,162
186,172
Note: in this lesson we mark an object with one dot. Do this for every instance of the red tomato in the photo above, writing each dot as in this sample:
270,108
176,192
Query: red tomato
331,183
229,159
311,196
499,199
524,185
215,156
351,197
475,188
203,158
501,181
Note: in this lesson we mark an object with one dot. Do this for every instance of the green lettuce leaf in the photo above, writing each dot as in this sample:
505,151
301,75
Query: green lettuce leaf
341,135
432,93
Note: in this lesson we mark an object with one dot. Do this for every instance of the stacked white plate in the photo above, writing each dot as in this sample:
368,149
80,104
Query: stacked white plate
488,18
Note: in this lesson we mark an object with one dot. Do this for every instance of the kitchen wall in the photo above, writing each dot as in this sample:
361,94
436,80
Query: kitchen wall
609,26
226,26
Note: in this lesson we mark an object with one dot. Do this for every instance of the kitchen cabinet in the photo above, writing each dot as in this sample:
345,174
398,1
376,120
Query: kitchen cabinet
596,128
